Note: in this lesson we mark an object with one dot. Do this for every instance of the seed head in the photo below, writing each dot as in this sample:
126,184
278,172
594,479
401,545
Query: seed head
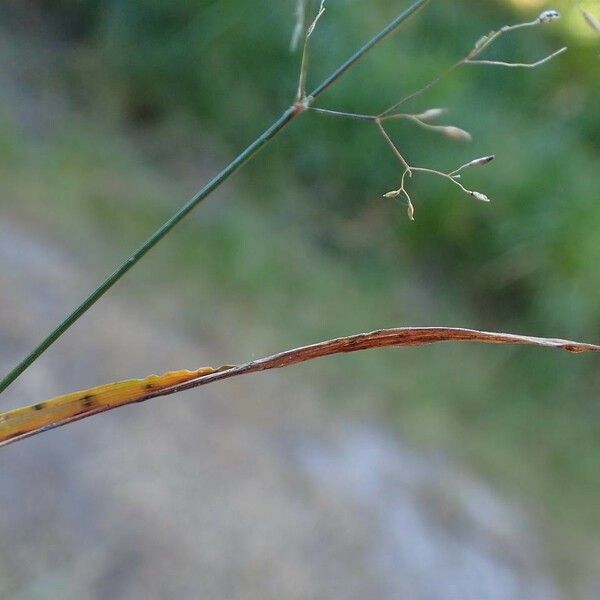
480,162
548,15
430,114
392,194
479,196
455,133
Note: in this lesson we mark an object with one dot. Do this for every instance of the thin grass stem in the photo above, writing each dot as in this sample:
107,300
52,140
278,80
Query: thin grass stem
533,65
287,116
343,115
425,88
395,150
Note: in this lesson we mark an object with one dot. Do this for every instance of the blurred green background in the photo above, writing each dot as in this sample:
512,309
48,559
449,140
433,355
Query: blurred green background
136,104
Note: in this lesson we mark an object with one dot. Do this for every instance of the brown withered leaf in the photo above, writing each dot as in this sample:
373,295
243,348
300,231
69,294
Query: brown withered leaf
24,422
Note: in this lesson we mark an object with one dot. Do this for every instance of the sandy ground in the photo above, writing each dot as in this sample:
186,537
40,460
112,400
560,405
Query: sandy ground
247,490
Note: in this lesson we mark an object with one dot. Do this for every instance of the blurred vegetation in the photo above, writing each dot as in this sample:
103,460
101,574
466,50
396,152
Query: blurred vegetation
304,247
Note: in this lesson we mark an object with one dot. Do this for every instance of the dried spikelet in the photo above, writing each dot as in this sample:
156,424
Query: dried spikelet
425,118
548,15
479,196
476,162
456,133
483,39
431,114
480,162
410,210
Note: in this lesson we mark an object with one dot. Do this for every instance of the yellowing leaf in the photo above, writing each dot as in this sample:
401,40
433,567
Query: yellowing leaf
22,422
29,420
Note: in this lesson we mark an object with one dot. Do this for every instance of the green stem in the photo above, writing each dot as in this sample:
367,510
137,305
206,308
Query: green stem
212,185
392,26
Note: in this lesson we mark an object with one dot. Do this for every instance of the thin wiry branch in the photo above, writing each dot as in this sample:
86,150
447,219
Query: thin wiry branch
343,115
301,93
532,65
392,146
422,119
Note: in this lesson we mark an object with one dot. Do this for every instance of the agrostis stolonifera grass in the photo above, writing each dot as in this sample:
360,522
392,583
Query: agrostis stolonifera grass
423,119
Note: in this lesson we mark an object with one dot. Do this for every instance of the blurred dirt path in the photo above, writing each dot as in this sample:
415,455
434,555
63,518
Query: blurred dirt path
248,490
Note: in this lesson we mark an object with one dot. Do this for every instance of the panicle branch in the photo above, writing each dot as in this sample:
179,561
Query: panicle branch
424,118
301,93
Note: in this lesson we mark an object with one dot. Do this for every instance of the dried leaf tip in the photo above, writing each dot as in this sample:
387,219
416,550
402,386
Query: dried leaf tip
548,15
